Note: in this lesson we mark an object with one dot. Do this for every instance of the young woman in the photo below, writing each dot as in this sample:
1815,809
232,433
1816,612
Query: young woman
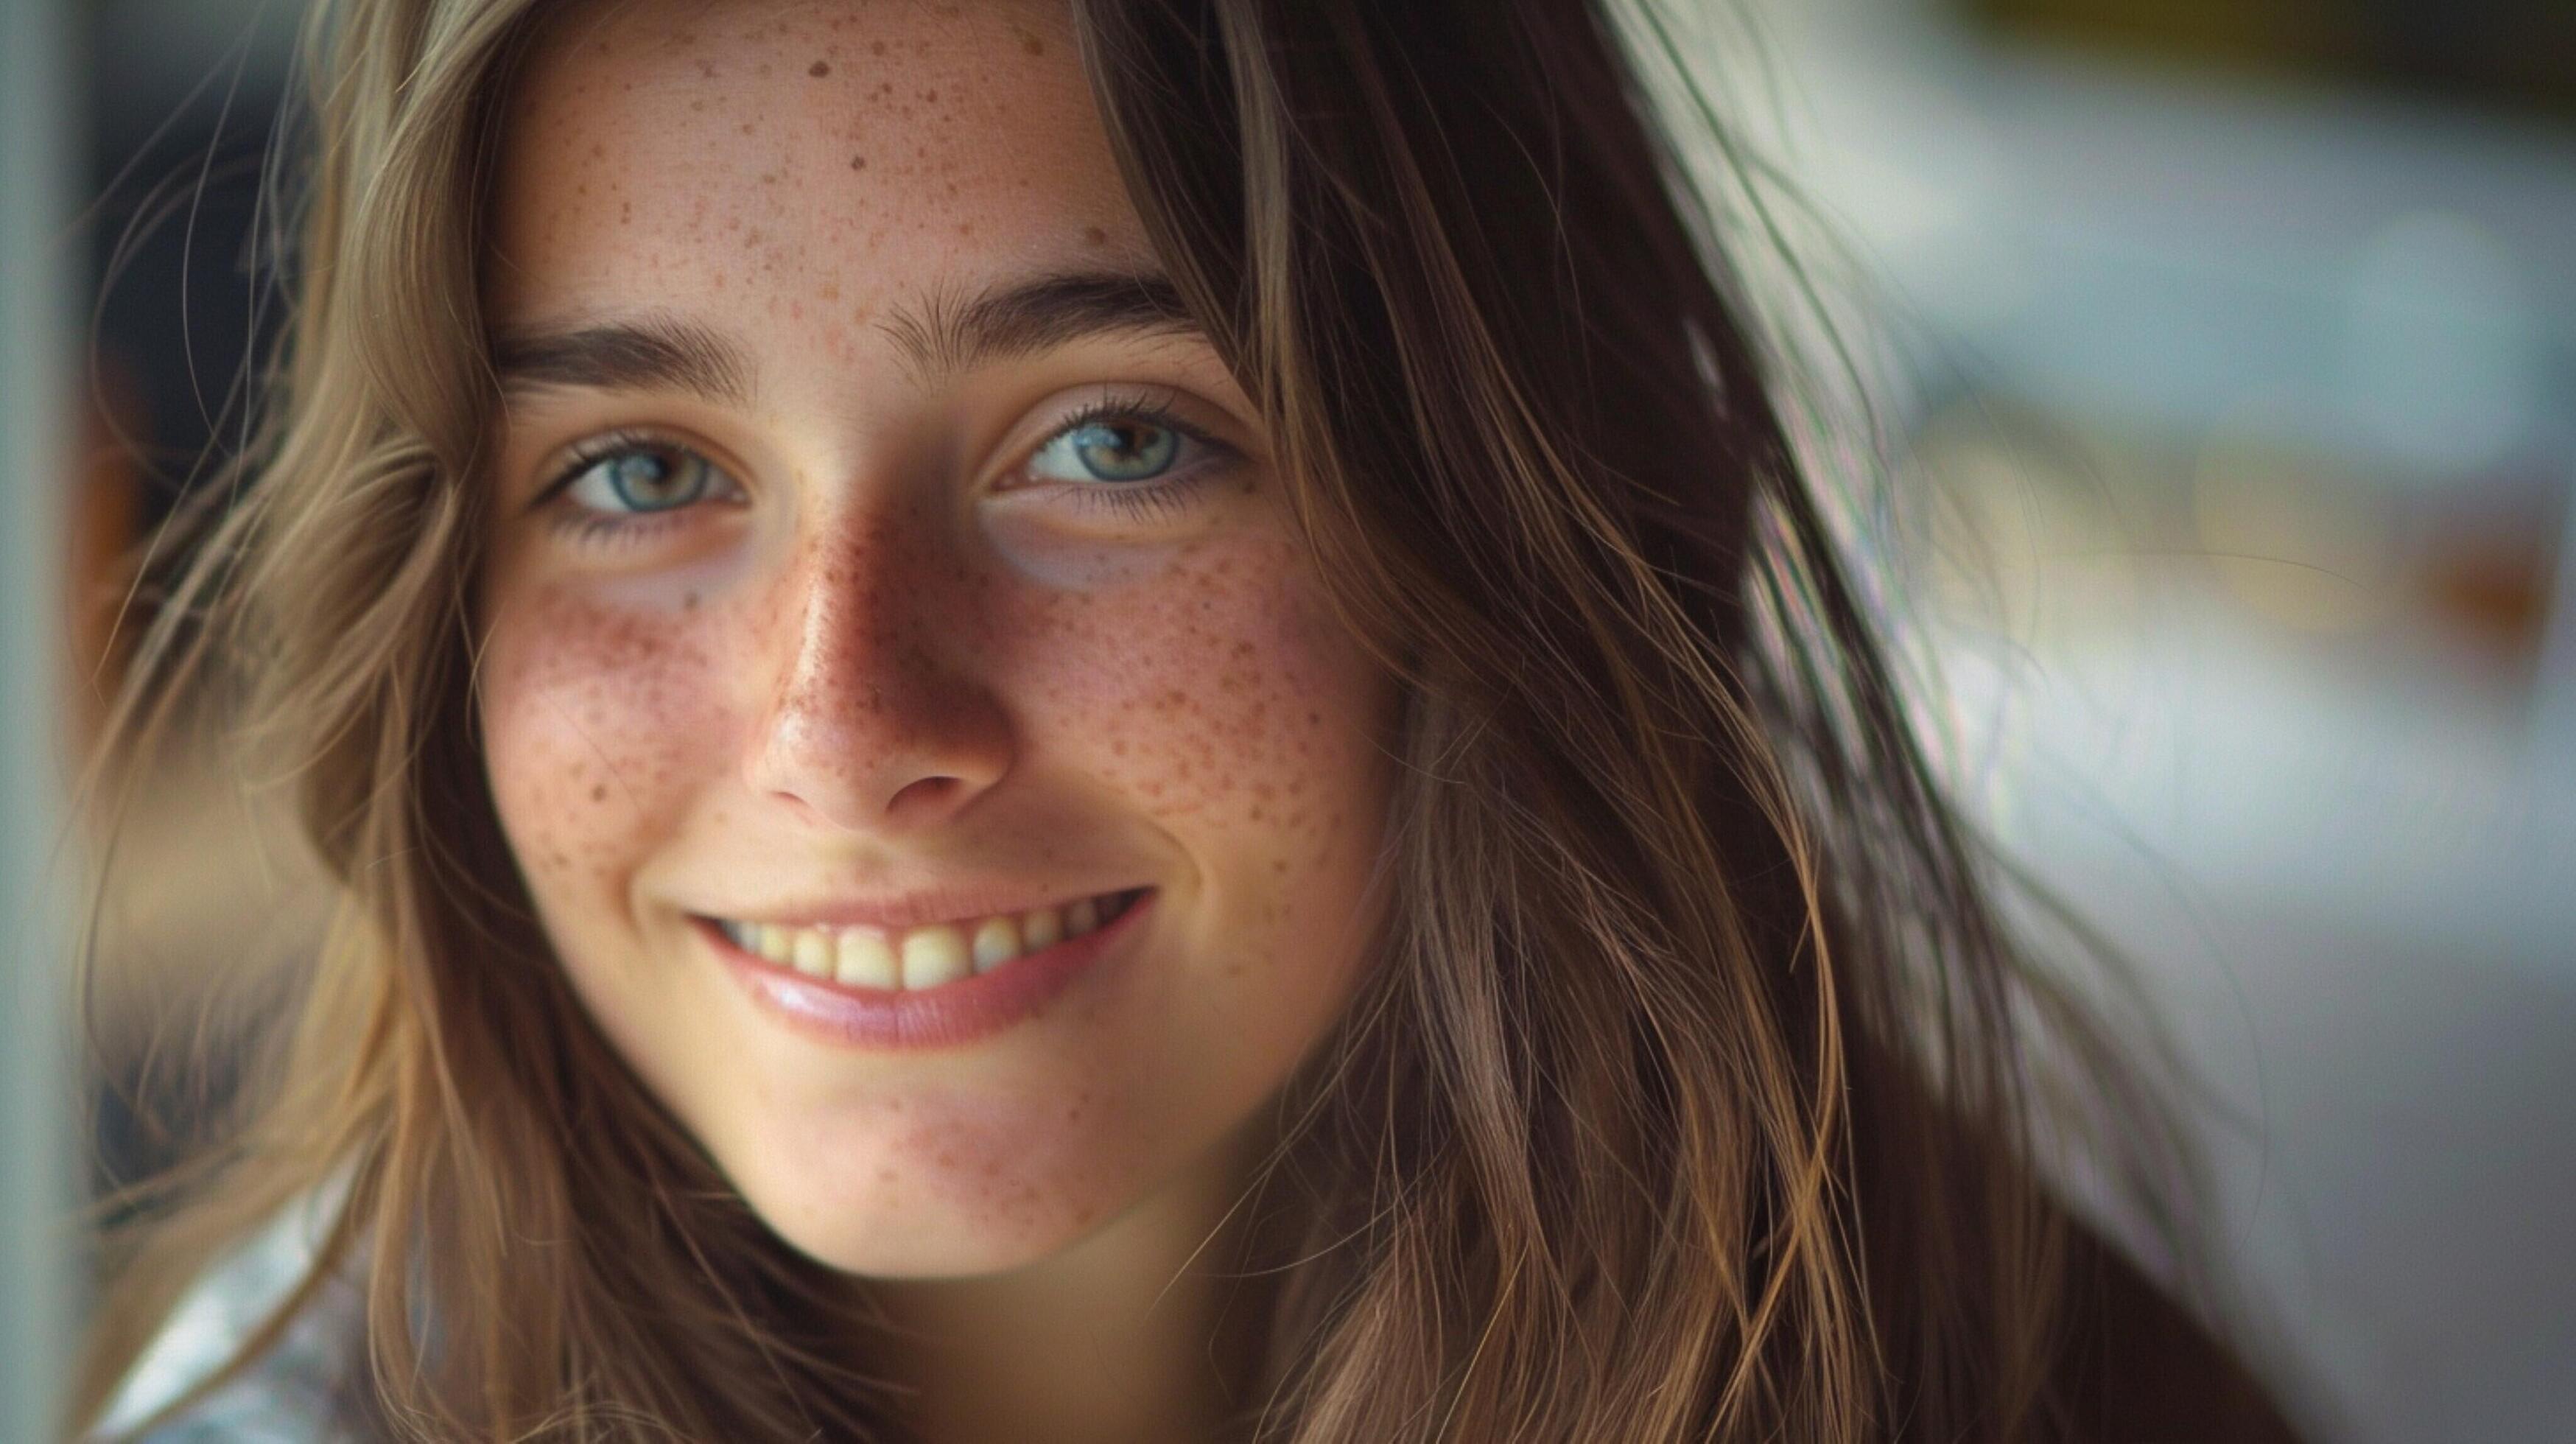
1103,722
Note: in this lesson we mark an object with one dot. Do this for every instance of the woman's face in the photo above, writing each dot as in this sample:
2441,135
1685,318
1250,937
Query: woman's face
927,746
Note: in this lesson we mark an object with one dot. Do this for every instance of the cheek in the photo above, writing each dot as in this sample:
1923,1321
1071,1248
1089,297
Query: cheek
1221,699
595,721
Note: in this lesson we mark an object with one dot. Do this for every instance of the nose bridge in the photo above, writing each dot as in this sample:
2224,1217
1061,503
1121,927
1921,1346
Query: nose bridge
868,714
857,621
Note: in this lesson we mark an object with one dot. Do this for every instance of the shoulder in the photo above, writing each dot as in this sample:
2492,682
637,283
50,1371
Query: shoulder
298,1389
2139,1367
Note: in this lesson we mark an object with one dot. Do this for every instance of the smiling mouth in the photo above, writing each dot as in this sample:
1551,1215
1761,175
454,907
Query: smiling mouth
920,958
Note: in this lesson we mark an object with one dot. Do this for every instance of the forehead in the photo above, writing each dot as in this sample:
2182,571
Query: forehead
815,158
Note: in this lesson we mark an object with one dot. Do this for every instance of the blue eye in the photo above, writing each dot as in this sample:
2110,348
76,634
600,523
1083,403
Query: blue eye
641,478
1109,448
1128,458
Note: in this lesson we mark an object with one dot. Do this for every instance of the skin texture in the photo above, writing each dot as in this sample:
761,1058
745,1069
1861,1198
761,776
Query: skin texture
883,657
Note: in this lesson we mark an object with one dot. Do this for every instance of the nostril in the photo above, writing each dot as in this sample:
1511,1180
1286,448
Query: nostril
924,792
870,735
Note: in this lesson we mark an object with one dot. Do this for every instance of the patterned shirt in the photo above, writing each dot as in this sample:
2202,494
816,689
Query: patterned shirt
300,1389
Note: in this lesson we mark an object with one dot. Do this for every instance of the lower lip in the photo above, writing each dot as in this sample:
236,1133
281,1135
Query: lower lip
948,1016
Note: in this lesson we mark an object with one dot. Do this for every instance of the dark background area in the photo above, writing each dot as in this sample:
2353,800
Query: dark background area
2502,54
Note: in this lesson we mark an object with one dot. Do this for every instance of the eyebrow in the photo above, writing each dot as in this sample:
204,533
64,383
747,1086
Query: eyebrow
947,334
951,333
652,353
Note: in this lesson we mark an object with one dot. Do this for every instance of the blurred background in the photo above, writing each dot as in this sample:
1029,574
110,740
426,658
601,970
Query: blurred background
2227,349
2231,359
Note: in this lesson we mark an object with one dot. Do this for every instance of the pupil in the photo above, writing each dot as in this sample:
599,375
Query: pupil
647,480
1126,451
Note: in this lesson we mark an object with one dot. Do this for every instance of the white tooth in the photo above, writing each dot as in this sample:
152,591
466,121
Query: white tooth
774,943
933,955
1040,929
997,941
813,952
1081,918
867,961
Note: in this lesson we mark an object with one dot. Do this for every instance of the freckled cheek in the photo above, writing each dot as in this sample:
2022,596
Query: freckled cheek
597,725
1222,696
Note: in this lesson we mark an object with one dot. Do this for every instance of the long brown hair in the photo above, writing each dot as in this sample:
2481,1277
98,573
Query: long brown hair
1692,1097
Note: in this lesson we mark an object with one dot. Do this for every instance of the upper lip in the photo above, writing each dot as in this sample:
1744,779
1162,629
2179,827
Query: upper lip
913,909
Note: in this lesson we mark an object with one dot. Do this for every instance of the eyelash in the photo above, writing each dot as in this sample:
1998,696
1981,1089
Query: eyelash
1133,501
1155,500
600,527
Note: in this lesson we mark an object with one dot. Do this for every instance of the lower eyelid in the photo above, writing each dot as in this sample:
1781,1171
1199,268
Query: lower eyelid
1181,478
1156,501
591,526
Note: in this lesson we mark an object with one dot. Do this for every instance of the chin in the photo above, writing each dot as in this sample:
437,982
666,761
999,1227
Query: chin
921,1243
943,1215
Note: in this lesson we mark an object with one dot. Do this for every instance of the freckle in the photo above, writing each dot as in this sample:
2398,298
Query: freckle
598,150
858,162
1032,44
1095,235
819,69
931,96
599,792
876,47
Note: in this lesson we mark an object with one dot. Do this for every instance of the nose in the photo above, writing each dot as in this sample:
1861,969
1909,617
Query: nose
870,723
